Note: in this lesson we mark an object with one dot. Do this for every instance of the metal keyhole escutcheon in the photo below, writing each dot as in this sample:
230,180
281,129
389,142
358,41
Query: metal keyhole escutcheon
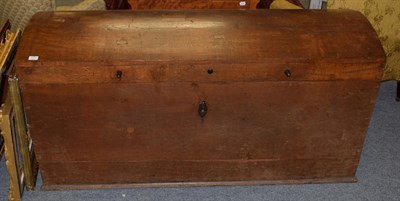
203,109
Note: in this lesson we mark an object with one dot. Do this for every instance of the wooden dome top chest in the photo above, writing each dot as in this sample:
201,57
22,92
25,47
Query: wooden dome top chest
199,97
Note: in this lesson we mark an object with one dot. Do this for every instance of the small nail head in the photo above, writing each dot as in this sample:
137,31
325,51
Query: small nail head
288,73
119,74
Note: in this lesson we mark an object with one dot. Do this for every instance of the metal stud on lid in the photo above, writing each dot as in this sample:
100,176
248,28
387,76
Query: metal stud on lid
118,74
288,73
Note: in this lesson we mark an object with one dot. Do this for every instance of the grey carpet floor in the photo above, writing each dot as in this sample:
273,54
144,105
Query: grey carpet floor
378,173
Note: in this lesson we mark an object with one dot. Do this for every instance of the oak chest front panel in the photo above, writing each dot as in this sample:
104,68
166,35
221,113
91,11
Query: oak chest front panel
198,97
